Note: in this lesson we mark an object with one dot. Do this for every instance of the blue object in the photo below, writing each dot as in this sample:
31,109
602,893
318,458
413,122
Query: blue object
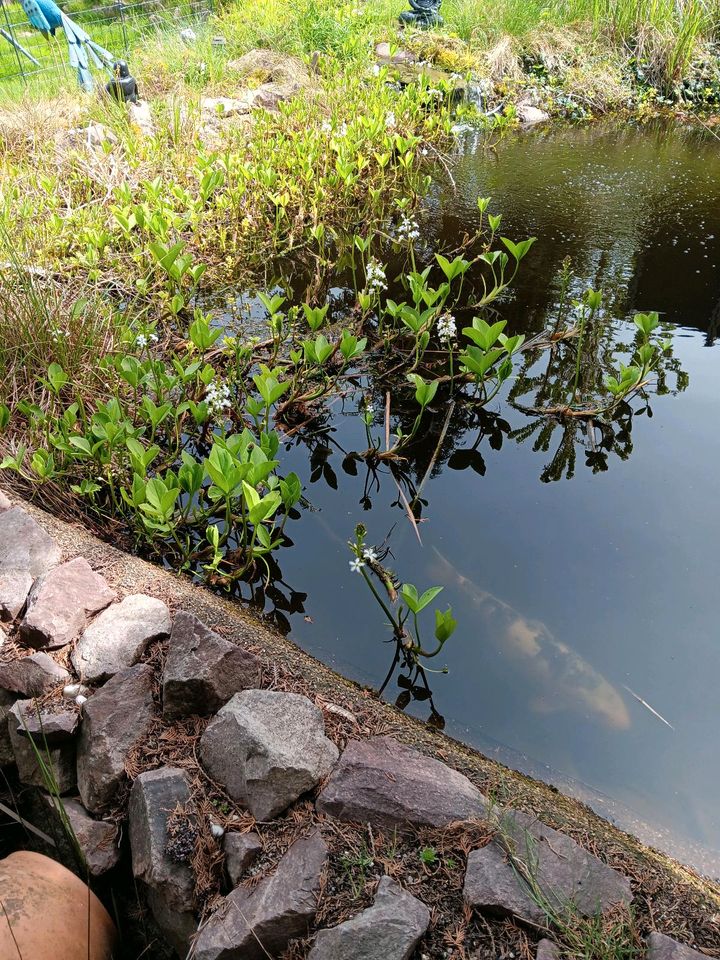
46,16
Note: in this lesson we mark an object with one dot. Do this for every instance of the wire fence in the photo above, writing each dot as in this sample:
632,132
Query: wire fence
118,27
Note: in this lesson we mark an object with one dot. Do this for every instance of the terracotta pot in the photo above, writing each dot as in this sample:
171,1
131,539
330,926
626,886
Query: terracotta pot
44,913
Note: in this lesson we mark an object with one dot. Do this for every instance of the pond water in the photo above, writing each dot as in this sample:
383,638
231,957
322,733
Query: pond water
580,562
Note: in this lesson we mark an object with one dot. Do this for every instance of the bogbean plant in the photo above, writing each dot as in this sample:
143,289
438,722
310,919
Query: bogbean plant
401,603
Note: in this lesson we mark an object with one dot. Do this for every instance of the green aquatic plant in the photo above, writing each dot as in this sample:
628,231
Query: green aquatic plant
402,604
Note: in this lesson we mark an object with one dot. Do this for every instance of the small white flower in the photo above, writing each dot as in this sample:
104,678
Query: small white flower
343,129
326,126
356,565
446,327
424,152
408,229
375,278
376,70
369,555
217,398
389,120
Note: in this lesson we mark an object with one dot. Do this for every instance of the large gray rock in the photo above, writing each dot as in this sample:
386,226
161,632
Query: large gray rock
52,768
241,851
661,947
114,720
97,839
118,638
49,724
32,676
260,924
532,870
15,585
154,797
61,602
202,670
548,950
388,930
267,748
24,545
385,783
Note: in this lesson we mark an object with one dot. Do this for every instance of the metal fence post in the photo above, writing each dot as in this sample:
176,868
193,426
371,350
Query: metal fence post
126,42
12,34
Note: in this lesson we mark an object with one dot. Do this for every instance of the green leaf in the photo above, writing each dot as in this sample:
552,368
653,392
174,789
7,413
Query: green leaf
445,625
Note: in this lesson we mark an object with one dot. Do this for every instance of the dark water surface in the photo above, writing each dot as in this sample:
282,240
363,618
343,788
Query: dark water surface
577,574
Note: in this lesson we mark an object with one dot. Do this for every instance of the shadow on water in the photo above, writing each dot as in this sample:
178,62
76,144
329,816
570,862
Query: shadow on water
579,556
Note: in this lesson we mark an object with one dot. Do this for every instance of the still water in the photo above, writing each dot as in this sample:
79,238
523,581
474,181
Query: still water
581,564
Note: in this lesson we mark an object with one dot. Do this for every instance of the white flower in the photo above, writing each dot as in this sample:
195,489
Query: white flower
375,277
424,152
141,340
217,398
343,129
369,555
356,565
446,327
326,126
376,70
389,120
408,229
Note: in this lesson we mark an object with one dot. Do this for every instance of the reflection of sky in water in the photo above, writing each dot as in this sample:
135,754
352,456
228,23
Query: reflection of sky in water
567,593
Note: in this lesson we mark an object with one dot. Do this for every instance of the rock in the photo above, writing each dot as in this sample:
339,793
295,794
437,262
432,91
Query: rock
388,930
223,107
4,503
24,545
118,638
58,760
61,602
46,724
267,748
15,586
559,867
492,884
92,137
154,797
661,947
202,670
241,851
271,66
384,53
260,924
392,786
548,950
97,839
114,719
141,118
7,754
275,77
529,116
32,676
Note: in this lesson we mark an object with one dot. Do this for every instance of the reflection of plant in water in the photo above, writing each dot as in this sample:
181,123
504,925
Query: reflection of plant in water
402,605
587,385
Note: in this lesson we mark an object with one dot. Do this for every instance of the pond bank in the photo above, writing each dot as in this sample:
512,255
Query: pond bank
431,861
